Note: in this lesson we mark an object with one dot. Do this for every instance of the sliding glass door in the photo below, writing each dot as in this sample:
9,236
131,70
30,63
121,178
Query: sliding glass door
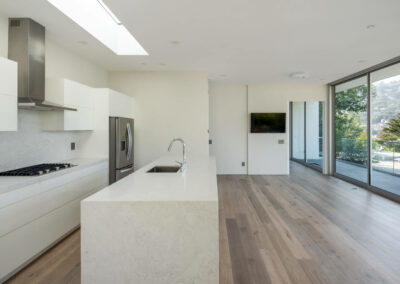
314,128
298,131
385,129
367,129
306,133
351,149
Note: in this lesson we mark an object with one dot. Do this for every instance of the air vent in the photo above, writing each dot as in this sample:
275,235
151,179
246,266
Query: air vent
15,23
299,75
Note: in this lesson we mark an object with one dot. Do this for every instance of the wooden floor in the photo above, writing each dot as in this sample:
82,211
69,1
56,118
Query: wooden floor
61,264
301,228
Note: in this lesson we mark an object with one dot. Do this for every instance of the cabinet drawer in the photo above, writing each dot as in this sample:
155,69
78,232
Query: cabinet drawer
23,212
23,244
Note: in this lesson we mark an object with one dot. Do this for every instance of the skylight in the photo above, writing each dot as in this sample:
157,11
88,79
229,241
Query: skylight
98,20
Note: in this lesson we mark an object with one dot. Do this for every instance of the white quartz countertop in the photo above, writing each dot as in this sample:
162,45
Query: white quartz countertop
197,183
8,183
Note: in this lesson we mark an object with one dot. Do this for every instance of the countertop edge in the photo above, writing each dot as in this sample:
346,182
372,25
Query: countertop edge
37,179
205,165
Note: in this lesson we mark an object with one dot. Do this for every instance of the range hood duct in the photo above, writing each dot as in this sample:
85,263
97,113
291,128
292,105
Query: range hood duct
26,46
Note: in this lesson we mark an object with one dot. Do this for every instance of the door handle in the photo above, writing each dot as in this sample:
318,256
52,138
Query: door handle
129,150
126,170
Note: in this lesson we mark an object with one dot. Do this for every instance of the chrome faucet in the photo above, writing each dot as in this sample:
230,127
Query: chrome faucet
183,164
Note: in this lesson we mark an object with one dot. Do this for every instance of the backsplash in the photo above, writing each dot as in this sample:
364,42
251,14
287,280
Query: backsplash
30,145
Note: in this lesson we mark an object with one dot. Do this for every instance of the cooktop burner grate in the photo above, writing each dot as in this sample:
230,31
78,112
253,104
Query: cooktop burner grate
37,170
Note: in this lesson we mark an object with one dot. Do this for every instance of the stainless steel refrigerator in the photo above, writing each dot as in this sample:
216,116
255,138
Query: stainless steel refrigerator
120,148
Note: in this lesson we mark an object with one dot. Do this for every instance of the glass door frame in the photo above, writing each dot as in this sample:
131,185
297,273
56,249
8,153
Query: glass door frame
364,73
304,160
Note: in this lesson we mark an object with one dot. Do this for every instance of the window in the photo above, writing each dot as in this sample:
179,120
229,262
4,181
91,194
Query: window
98,20
314,128
298,130
385,129
367,129
351,144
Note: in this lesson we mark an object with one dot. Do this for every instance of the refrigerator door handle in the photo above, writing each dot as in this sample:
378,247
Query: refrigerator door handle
129,148
126,170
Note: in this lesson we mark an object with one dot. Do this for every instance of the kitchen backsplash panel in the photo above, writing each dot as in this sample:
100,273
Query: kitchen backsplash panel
30,145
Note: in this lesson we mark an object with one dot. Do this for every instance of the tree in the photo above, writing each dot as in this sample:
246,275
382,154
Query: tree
349,131
348,105
353,100
392,131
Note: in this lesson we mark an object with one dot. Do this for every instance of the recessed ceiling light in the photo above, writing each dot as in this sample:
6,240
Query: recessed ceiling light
299,75
222,75
162,64
82,42
361,61
175,42
98,20
370,27
144,63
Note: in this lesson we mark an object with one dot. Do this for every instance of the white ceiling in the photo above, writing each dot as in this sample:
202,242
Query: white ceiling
238,40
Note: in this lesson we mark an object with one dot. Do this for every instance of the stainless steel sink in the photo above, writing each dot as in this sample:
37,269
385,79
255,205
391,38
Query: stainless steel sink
164,169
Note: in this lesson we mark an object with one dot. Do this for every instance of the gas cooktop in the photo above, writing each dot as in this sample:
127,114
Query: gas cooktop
37,170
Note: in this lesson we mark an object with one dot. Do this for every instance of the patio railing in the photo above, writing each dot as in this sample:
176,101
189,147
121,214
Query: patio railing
385,155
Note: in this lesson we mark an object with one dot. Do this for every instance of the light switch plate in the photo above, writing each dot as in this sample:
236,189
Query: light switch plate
281,141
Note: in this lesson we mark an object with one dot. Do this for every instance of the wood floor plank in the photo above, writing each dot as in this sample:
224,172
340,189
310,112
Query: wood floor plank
225,266
240,267
276,270
256,263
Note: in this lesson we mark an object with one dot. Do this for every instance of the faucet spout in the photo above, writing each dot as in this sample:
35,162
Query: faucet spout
183,164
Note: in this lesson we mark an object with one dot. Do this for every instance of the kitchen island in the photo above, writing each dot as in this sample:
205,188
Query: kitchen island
154,227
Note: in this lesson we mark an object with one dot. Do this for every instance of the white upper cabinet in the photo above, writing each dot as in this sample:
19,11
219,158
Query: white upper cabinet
73,95
8,95
120,105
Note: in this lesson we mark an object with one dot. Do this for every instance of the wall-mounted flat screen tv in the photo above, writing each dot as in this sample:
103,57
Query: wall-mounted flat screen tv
268,122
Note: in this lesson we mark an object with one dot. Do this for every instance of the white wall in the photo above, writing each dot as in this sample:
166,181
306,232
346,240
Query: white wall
265,155
166,105
65,64
228,127
29,145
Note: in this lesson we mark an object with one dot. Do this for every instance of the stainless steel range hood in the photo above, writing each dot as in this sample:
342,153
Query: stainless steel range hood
26,45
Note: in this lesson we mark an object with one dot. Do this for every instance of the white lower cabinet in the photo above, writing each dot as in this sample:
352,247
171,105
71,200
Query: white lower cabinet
30,226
